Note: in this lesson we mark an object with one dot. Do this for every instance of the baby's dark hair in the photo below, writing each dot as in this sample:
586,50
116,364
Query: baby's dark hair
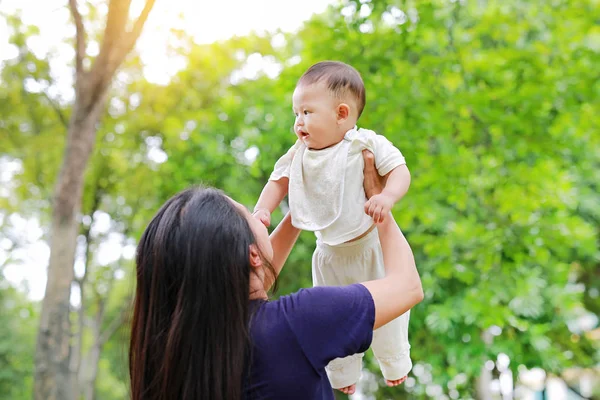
340,78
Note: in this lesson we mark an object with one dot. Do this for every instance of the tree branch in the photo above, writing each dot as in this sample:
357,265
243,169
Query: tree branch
57,110
116,20
115,324
79,39
77,347
134,35
116,44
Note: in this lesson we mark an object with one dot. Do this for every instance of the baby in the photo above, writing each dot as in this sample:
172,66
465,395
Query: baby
323,174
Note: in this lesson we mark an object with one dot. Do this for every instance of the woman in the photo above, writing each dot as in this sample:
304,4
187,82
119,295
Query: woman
203,327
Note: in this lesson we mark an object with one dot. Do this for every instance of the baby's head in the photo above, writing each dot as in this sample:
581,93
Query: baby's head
327,102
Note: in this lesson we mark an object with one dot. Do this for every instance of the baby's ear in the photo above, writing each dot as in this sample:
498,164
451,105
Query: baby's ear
343,112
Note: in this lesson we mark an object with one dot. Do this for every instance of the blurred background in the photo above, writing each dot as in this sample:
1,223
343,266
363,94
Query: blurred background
108,108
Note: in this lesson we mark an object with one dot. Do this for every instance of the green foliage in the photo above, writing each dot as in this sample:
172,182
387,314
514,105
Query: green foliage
18,323
494,104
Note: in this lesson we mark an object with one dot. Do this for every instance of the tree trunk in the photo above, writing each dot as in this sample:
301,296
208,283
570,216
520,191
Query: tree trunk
53,377
484,380
53,373
90,366
77,344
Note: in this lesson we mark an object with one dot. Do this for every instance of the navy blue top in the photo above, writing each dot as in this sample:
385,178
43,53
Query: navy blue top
296,336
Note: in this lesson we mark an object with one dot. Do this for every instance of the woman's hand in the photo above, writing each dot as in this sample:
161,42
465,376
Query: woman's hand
373,182
377,205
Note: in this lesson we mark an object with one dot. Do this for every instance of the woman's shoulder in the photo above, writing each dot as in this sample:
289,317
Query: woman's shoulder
324,303
327,322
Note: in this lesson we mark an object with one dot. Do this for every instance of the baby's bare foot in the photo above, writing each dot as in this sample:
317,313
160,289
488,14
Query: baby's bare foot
348,389
396,382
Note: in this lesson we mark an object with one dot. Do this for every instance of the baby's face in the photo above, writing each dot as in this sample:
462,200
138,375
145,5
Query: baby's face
316,116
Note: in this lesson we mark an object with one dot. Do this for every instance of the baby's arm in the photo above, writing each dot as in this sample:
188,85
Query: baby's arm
398,182
271,196
276,188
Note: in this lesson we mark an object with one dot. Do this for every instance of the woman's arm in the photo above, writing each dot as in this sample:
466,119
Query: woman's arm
283,239
401,288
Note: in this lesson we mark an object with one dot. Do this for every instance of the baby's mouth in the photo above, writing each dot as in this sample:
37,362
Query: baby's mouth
304,135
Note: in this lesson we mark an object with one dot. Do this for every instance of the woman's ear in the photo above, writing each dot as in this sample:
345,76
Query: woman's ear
255,258
343,112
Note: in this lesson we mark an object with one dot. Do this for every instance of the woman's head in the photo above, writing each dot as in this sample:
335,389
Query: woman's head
190,326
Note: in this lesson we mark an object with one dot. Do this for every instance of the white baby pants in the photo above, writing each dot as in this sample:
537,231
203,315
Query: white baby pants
360,261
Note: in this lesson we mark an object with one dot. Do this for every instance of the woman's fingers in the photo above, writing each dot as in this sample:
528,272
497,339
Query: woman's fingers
372,181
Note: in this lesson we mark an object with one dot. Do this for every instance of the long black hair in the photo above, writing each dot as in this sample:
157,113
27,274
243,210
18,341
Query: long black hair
189,336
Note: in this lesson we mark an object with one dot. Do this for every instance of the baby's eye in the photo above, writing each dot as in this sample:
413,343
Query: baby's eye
305,112
296,114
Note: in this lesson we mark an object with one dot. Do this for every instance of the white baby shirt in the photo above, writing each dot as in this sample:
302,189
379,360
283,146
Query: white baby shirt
326,192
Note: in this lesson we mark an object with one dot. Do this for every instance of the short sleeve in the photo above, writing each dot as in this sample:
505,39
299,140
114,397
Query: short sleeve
331,322
282,166
387,156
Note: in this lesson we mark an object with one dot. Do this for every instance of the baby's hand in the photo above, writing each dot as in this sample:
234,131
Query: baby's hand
379,206
263,215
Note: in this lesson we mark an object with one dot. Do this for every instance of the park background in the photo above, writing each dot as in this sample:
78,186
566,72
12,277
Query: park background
108,108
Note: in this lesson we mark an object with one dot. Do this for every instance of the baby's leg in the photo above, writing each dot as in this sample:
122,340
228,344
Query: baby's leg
390,342
329,268
344,372
392,349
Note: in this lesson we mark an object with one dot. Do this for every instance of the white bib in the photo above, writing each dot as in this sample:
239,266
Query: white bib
316,186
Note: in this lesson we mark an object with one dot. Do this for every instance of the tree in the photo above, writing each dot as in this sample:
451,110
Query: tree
52,373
